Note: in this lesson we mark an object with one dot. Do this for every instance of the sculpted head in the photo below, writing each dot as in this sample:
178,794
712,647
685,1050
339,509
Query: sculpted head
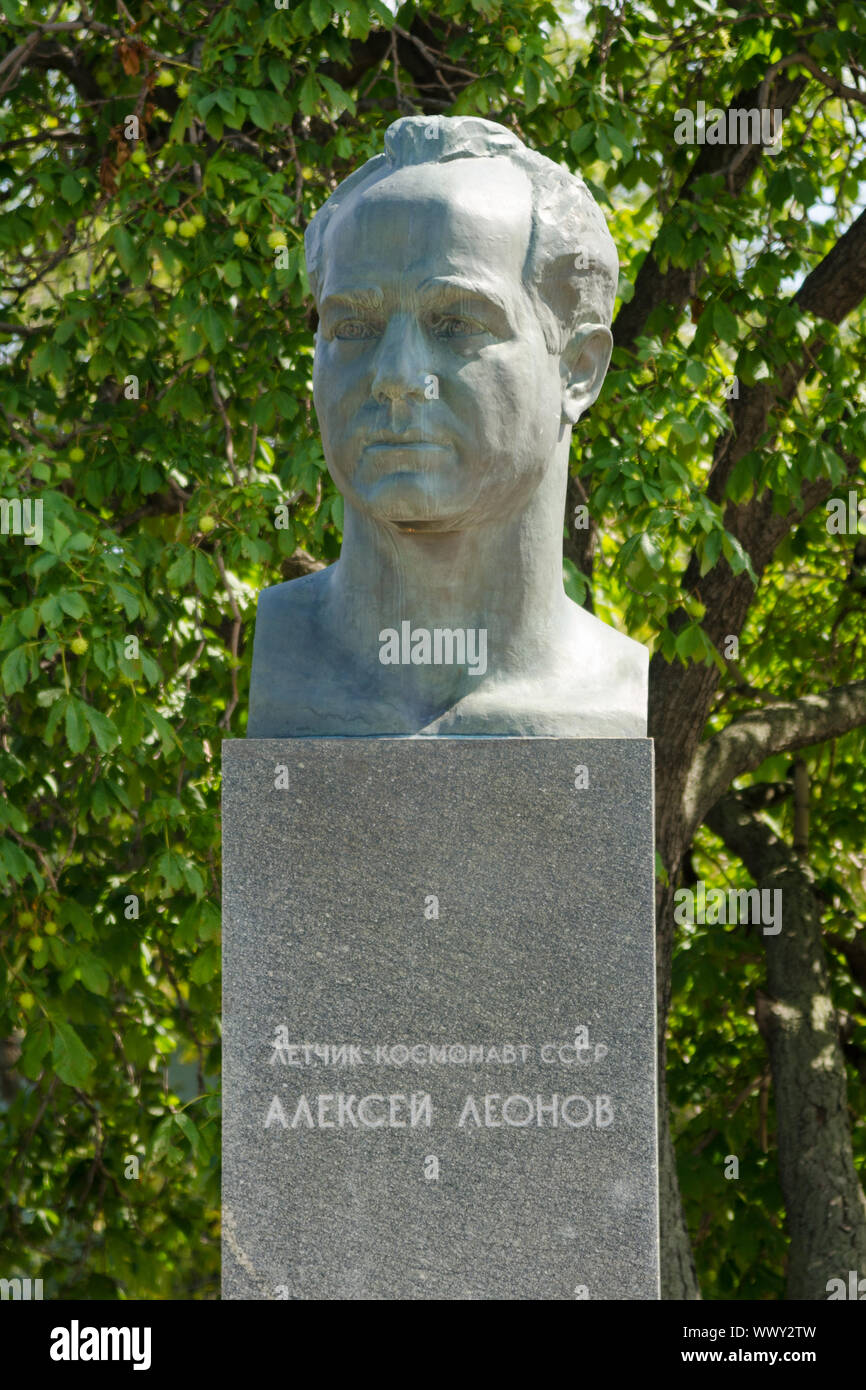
465,287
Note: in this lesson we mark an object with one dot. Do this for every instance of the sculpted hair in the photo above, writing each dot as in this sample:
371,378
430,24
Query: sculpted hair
571,267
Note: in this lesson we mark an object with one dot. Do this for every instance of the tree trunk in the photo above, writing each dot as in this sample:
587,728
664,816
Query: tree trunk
678,1277
824,1201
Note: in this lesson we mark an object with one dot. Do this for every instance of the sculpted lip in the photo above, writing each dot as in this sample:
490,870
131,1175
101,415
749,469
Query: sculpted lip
388,439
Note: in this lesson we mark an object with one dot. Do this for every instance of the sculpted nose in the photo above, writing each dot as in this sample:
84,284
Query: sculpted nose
400,369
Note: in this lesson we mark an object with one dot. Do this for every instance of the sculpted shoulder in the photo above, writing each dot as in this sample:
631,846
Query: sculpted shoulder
290,640
598,689
296,600
612,672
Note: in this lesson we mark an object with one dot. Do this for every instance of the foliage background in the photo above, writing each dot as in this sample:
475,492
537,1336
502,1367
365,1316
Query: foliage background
159,514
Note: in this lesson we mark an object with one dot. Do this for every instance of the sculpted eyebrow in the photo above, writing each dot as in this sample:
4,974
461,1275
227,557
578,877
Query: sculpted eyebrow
447,292
353,299
441,294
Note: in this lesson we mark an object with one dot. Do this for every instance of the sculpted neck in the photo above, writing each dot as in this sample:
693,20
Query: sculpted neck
504,576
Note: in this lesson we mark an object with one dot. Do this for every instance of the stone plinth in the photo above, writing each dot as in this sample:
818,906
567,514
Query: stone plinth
439,1019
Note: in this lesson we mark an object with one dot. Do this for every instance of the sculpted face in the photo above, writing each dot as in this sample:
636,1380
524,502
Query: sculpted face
438,401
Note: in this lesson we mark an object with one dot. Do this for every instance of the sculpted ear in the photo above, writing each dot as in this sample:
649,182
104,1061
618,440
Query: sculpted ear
584,363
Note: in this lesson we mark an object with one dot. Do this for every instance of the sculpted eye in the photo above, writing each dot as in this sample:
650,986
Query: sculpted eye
453,326
355,330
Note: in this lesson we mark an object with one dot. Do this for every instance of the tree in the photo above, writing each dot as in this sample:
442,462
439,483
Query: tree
158,170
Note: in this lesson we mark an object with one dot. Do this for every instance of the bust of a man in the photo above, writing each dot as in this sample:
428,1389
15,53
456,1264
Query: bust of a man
465,287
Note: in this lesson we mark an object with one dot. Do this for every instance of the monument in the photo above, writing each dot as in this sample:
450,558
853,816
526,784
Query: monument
439,1019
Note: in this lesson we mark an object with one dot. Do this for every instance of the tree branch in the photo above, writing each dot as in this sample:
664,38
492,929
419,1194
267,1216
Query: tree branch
674,287
803,60
747,742
837,284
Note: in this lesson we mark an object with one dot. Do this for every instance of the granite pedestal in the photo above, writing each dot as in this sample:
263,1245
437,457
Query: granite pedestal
439,1019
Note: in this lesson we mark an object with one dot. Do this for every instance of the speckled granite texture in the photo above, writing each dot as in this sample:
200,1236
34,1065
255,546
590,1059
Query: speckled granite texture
458,1106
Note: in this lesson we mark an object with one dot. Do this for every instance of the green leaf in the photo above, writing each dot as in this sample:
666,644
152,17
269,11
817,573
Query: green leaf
690,640
16,864
50,611
214,125
214,331
72,603
14,671
169,867
531,88
50,358
189,341
741,483
77,735
71,189
72,1061
359,20
651,551
193,880
725,323
151,669
93,975
787,318
58,709
620,141
684,429
35,1047
581,138
696,372
125,248
628,549
122,595
151,479
179,572
167,735
163,1138
190,1133
104,731
340,100
207,920
205,575
711,551
227,101
308,94
205,966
